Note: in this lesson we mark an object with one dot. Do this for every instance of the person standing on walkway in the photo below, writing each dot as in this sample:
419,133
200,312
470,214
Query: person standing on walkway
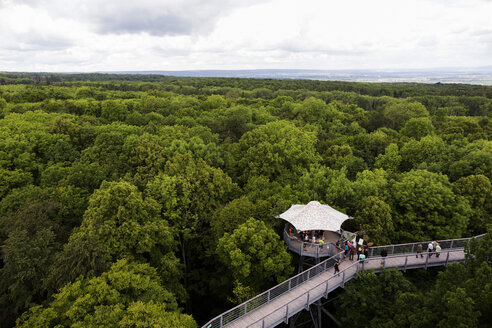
352,253
337,267
384,253
438,249
419,251
430,249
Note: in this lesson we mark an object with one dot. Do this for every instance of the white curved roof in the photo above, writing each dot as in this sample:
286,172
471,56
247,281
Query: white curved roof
314,216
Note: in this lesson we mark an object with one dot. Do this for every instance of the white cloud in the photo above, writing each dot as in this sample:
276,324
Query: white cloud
88,35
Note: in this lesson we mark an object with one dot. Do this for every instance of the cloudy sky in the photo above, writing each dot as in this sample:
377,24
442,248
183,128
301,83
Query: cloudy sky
112,35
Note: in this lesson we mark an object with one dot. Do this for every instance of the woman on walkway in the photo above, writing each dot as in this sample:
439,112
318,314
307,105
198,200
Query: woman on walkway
337,267
419,251
438,249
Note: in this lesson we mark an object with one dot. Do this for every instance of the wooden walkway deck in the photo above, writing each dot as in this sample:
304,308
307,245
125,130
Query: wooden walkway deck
290,297
299,298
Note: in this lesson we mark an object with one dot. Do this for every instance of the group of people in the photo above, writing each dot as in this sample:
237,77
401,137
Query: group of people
314,237
432,247
349,249
362,252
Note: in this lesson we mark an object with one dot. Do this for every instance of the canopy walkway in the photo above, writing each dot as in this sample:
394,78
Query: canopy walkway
283,301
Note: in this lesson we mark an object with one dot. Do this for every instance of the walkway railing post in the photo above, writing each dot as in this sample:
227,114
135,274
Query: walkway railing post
427,260
406,261
290,284
343,279
451,246
263,324
221,321
317,251
268,297
413,247
447,260
245,308
393,250
372,251
326,291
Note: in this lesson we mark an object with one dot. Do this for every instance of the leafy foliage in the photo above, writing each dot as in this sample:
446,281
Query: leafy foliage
167,172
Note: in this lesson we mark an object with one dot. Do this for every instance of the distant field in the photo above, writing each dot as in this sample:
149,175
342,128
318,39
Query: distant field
457,75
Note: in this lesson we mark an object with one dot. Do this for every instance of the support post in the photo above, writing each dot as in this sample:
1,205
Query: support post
426,261
343,279
263,323
319,314
307,302
406,261
447,260
287,314
326,290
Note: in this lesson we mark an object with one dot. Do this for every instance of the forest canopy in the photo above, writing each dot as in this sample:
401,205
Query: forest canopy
146,200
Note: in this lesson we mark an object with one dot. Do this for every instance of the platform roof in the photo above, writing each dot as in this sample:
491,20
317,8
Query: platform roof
314,216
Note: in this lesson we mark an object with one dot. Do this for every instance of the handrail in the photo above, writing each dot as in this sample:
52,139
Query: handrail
287,285
321,250
347,278
410,247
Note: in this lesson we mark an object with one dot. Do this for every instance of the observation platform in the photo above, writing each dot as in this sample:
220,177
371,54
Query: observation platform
309,249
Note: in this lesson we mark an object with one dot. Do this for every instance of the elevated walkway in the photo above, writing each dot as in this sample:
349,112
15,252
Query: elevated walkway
283,301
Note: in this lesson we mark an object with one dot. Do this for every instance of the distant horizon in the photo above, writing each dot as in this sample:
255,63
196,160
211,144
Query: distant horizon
464,75
412,69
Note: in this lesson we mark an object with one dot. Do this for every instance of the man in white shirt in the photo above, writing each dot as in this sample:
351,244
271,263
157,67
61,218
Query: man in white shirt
430,248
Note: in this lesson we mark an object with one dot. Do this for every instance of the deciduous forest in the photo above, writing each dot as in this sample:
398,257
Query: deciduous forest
150,201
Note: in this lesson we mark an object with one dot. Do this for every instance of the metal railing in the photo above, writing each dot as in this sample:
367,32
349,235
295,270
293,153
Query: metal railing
412,247
401,250
309,249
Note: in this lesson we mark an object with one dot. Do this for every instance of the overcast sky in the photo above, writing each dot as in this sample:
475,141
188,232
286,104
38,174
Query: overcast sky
107,35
